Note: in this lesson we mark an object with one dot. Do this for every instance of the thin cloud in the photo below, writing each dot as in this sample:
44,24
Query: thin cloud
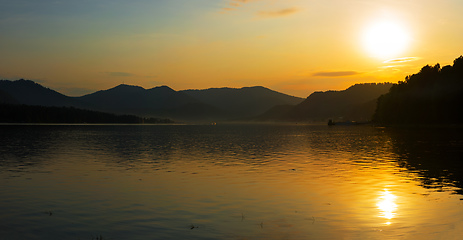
392,66
243,1
279,13
401,60
237,3
234,4
336,74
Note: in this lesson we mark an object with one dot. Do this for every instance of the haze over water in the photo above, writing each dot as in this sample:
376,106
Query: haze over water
230,182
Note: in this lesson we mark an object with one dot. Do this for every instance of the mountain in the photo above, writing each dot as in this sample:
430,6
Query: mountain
209,104
160,101
276,113
6,98
189,105
356,103
239,103
214,104
30,93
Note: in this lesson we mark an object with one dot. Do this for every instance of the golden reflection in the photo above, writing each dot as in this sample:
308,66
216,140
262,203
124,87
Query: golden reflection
387,206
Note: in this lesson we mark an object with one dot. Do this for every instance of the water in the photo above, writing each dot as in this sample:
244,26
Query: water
230,182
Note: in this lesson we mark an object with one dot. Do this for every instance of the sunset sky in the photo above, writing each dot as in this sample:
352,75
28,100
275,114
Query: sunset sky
292,46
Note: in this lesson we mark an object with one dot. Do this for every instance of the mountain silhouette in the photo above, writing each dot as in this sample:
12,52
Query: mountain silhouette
356,103
30,93
215,104
24,101
243,102
160,101
6,98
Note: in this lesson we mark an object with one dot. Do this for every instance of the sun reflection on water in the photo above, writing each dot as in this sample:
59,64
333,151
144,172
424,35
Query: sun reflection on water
386,204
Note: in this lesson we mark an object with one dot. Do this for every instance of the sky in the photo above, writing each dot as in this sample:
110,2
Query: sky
292,46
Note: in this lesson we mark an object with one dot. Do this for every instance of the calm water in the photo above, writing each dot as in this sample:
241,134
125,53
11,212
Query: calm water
230,182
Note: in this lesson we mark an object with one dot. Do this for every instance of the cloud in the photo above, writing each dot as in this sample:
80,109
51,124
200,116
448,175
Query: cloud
243,1
236,3
392,66
120,74
335,74
402,60
279,13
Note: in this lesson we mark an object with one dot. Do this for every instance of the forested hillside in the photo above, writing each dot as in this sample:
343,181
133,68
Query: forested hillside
356,103
15,113
215,104
243,102
432,96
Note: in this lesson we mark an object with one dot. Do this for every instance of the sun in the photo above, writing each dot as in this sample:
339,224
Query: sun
385,39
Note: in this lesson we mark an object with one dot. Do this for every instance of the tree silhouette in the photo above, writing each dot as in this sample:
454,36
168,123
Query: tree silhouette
434,95
13,113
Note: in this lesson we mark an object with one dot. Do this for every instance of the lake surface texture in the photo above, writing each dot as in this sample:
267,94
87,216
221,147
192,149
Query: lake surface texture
230,182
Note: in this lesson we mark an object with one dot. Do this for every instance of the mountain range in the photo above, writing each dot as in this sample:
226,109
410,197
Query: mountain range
215,104
431,96
357,103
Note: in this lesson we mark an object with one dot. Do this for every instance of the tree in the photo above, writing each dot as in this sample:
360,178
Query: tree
431,96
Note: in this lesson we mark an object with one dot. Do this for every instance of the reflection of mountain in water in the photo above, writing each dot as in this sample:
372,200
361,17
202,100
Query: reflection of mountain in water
435,153
25,147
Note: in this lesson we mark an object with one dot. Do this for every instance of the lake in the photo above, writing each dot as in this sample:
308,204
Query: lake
230,182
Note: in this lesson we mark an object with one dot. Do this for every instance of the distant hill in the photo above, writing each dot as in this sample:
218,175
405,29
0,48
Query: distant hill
432,96
276,113
357,103
30,93
6,98
127,97
243,102
214,104
159,101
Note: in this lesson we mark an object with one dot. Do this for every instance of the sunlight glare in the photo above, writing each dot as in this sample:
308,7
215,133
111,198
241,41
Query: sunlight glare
387,206
385,39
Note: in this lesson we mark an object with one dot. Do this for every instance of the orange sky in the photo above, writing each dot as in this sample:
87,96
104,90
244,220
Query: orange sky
292,46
